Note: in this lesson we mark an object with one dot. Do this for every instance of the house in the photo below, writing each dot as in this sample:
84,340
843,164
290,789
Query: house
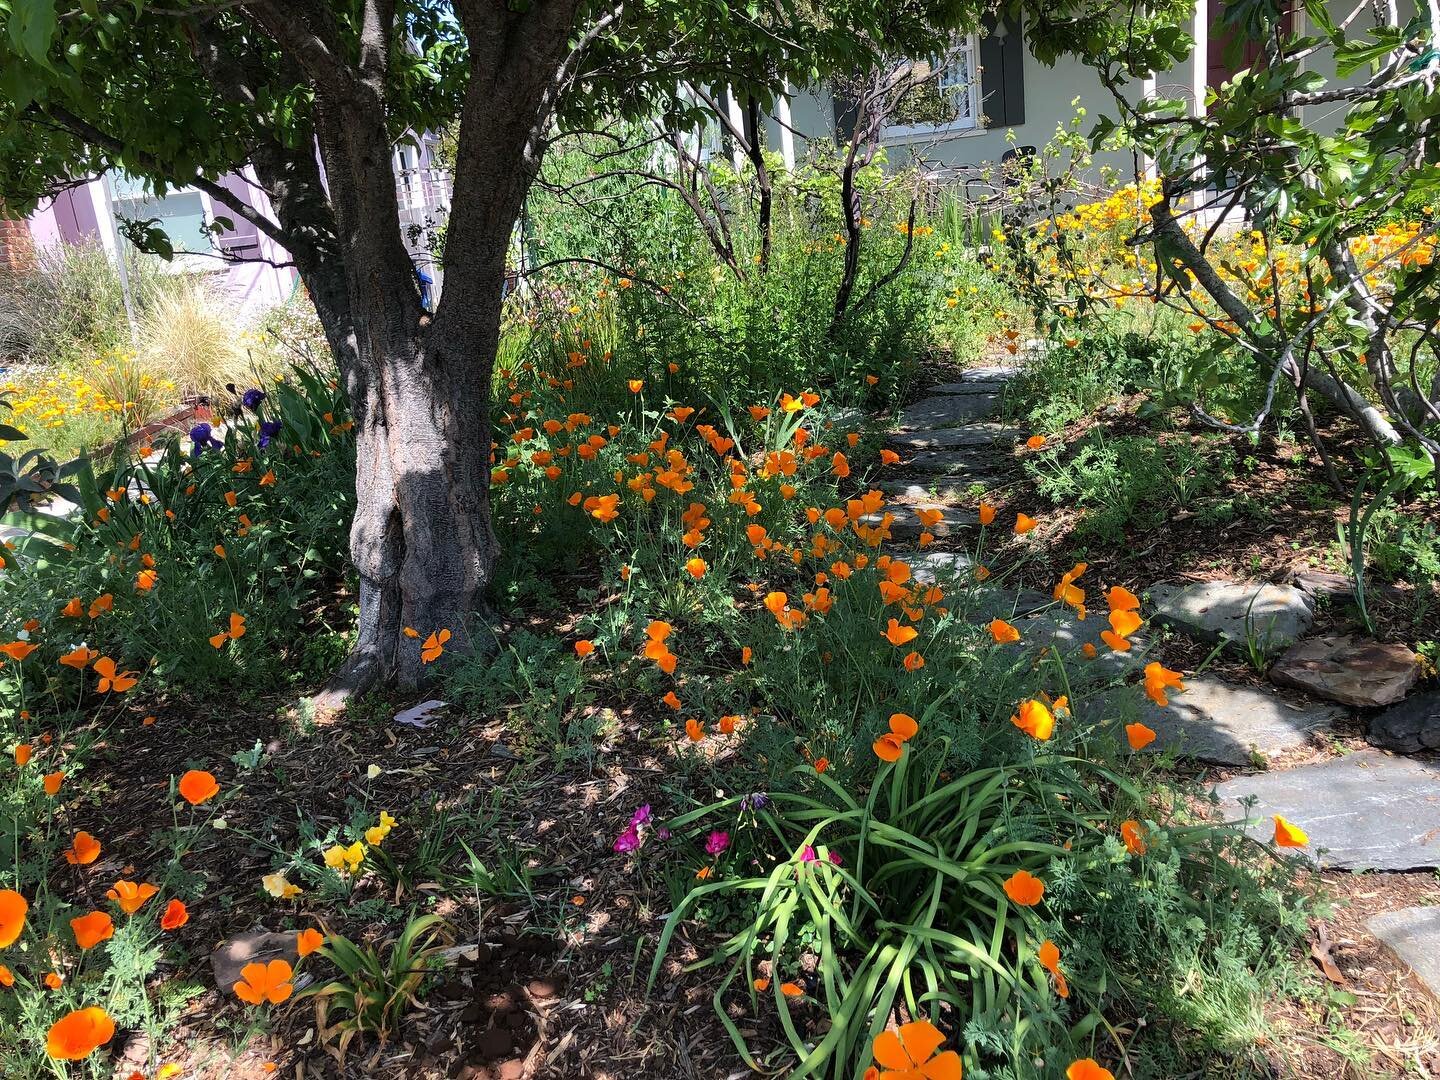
251,267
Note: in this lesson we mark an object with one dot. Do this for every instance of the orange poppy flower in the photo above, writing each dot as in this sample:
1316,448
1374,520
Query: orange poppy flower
92,929
54,980
17,650
987,514
694,729
1139,736
899,635
1003,632
433,646
23,753
696,567
635,385
219,550
1049,957
910,1054
146,580
237,626
84,850
1157,679
1035,442
584,648
821,764
1035,719
74,609
260,983
889,457
1121,599
53,781
308,940
130,895
113,679
78,658
1087,1069
1024,888
101,604
672,699
1288,834
176,915
1133,833
268,479
13,908
78,1034
914,661
840,465
746,654
1023,524
198,786
7,977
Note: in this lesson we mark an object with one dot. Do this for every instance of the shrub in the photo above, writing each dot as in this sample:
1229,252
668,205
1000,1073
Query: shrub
190,335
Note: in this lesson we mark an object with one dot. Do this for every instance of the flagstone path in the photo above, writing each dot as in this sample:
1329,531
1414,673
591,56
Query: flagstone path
1370,810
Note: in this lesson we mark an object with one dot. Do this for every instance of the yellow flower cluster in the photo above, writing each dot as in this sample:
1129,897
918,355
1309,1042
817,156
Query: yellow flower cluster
1123,207
114,388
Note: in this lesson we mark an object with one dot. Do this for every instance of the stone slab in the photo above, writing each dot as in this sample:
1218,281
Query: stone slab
906,526
970,386
1219,722
952,438
947,410
990,373
1413,935
1409,727
969,461
932,491
1273,616
1059,629
1371,811
1351,670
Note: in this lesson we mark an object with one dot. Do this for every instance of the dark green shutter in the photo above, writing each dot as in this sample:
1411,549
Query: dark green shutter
1002,74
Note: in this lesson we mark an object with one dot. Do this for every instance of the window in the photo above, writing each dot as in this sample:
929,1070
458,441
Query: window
946,103
181,214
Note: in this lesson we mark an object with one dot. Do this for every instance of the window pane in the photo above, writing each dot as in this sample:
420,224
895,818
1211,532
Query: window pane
181,217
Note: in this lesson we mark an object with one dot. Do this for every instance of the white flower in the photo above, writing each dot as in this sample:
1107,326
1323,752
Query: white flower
373,772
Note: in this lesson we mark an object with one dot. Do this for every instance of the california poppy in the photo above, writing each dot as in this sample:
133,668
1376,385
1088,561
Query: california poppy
1121,599
17,650
889,457
176,915
899,635
584,648
53,781
13,908
23,753
1087,1069
7,977
672,699
74,609
433,646
1133,833
913,661
78,658
1024,888
1003,632
130,895
84,850
1157,679
338,856
260,983
1023,524
987,513
92,929
198,786
1035,719
1288,834
79,1034
1139,736
308,940
910,1054
694,729
696,567
113,679
1035,442
1049,957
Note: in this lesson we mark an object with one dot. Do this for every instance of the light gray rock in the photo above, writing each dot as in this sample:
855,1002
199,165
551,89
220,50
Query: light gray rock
940,566
1271,616
254,947
973,461
947,410
952,438
969,386
1413,935
1366,674
933,491
989,373
1371,811
906,526
1216,721
1409,727
1059,629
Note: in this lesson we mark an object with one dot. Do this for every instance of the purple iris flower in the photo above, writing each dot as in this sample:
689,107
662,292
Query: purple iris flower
268,430
754,801
251,398
201,437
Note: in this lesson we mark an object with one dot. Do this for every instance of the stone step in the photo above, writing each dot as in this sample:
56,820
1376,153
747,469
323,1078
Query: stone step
947,410
1216,721
970,461
1369,810
975,386
1058,628
1270,616
990,373
932,491
1000,436
906,526
1413,935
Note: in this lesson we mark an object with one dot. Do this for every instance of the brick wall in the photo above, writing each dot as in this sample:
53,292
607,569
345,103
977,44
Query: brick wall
17,247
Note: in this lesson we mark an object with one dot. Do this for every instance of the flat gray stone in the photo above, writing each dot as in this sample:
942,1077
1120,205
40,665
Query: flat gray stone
1355,671
975,386
1060,630
990,373
1409,727
943,566
906,526
254,947
1272,616
952,438
972,461
947,410
1370,810
1219,722
933,491
1413,935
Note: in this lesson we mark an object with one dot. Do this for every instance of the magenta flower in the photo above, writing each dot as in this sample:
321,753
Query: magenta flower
628,840
807,854
717,842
